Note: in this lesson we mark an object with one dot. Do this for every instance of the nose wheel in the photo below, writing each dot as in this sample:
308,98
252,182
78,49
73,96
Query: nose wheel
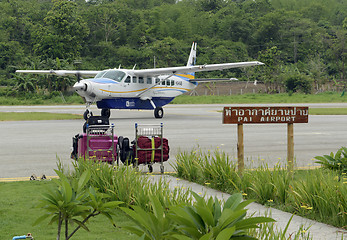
106,113
158,112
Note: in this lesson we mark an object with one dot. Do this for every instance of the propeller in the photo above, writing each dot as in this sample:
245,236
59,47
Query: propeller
79,76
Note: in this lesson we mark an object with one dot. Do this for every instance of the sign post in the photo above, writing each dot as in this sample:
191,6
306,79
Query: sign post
240,148
263,115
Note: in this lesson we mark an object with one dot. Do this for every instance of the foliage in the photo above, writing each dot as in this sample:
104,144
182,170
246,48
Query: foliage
154,224
202,220
333,161
301,193
125,184
270,231
208,220
105,34
71,202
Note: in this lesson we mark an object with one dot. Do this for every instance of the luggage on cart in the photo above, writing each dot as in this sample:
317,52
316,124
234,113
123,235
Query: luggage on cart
98,143
150,146
126,153
96,121
148,156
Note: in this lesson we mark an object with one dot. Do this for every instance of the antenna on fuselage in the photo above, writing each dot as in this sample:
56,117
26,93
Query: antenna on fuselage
119,66
134,66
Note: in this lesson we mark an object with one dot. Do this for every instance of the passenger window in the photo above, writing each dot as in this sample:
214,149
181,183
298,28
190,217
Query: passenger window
134,79
157,80
141,80
163,83
167,82
149,80
172,82
127,80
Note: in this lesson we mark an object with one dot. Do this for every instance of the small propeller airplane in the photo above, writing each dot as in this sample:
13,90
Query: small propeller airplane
138,89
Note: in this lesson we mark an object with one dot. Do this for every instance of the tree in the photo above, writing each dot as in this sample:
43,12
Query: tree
269,73
63,32
73,203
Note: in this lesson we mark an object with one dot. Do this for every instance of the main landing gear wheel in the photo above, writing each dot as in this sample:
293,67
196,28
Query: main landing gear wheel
158,112
87,114
106,112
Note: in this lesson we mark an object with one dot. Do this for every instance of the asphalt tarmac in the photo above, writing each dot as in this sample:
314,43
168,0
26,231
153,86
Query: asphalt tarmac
33,147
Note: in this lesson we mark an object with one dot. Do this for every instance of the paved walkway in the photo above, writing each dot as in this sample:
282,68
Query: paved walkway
318,231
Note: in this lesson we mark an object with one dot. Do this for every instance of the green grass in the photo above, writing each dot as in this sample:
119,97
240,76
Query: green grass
34,116
18,212
327,97
328,111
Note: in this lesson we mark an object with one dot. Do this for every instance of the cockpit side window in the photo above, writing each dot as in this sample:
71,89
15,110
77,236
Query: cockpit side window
127,80
100,74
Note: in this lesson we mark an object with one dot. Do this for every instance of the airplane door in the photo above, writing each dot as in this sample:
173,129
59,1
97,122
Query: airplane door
127,81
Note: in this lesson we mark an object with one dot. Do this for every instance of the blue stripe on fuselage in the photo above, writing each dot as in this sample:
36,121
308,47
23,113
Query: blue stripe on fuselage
132,103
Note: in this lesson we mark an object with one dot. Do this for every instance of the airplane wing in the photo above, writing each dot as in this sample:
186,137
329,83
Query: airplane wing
196,68
204,80
62,72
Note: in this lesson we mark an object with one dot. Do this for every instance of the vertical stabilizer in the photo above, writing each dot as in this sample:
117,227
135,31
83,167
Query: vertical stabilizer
192,55
192,60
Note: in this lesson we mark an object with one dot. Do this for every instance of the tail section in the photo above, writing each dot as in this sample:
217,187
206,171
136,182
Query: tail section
192,55
192,60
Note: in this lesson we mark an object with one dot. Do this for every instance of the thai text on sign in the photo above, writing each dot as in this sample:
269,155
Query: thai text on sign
243,115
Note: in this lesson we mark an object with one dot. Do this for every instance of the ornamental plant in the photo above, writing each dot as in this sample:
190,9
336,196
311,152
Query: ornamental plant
333,161
71,202
202,220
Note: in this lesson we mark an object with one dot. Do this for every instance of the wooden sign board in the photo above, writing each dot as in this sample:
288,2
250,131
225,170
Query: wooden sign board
244,115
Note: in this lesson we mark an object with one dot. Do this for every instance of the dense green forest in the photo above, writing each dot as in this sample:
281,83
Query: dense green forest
302,42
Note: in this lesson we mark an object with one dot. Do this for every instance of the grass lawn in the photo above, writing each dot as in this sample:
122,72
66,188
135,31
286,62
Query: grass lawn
327,97
18,212
33,116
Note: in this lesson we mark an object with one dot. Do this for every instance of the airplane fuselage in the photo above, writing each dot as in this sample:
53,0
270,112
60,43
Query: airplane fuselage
119,89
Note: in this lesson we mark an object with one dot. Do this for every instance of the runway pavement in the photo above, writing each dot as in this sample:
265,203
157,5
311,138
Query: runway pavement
32,147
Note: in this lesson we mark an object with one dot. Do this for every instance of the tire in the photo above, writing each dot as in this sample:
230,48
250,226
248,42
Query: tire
87,114
158,112
150,168
106,112
85,127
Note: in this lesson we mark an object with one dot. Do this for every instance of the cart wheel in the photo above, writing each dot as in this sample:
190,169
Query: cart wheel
162,169
150,168
87,114
85,127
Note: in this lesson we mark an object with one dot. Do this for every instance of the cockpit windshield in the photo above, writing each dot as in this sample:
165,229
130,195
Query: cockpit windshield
111,74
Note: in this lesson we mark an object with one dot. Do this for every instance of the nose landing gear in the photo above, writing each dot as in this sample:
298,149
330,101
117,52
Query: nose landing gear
158,112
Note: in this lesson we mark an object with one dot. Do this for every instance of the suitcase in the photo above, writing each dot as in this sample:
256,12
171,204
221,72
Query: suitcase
100,147
96,121
146,156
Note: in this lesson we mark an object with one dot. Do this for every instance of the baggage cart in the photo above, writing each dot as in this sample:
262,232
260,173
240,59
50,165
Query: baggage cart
98,143
154,150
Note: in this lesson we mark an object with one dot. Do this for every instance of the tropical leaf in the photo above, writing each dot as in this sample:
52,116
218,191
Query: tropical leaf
226,233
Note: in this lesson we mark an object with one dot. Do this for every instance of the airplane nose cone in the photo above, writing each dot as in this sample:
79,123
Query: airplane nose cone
80,86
